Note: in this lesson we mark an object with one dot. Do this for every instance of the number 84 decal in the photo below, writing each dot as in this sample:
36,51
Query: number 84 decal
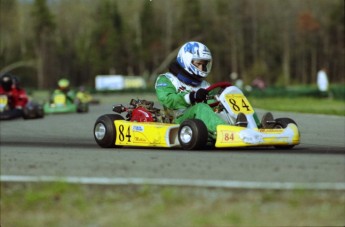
239,103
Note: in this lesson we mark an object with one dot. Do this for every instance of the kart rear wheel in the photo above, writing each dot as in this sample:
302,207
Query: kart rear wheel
33,111
39,112
193,134
82,107
27,113
283,123
104,130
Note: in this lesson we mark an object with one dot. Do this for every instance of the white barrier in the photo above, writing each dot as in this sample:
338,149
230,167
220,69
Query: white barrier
118,82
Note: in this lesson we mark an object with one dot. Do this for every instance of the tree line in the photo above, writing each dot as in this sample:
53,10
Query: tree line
284,42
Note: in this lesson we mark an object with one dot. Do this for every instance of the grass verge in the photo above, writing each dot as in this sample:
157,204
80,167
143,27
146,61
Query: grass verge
301,105
62,204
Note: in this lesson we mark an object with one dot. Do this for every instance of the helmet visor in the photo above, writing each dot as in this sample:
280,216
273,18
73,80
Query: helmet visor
202,65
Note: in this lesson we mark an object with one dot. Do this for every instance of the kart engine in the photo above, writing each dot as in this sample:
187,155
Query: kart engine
141,111
141,114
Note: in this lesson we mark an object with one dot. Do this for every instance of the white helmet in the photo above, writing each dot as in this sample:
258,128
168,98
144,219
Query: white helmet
194,51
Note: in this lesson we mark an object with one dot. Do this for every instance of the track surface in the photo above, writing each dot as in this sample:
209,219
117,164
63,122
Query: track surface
63,146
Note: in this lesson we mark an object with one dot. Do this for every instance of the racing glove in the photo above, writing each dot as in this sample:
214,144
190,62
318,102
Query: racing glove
198,96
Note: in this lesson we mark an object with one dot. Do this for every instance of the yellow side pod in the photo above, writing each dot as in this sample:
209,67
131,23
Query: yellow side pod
234,136
146,134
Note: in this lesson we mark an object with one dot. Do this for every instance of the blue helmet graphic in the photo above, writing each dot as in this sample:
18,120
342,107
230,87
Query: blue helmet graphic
194,51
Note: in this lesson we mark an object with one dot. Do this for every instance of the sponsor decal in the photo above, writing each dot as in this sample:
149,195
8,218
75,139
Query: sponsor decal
271,130
161,85
139,139
137,128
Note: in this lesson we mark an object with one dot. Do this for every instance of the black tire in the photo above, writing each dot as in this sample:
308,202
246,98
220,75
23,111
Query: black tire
33,111
104,130
26,113
39,111
82,107
283,123
193,134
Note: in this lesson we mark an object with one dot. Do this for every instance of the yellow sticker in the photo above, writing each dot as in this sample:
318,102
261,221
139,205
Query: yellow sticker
60,99
3,100
239,103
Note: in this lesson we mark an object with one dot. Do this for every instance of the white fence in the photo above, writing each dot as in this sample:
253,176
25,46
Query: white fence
118,82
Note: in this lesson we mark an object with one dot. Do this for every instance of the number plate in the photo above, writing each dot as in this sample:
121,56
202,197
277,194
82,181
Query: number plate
60,99
3,101
239,103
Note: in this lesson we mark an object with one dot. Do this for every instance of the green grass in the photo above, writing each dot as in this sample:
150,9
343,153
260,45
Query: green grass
301,105
61,204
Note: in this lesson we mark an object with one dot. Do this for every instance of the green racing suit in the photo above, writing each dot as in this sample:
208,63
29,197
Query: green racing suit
173,94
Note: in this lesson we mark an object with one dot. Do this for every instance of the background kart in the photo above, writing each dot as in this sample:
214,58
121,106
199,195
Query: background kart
61,104
31,110
147,126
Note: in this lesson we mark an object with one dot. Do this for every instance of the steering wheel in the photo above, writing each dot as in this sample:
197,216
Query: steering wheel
223,85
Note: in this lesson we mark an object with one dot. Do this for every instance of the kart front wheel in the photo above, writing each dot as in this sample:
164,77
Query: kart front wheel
104,130
283,123
192,134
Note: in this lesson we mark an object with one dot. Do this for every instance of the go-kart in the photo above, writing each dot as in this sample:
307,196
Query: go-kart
60,103
31,110
147,126
86,97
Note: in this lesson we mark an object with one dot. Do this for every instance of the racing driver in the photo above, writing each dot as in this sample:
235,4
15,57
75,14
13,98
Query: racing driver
182,90
17,97
64,88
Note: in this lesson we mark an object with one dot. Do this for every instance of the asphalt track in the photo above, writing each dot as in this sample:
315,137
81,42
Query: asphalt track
62,147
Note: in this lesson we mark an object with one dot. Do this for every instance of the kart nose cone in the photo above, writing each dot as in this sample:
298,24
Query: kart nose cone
186,134
100,131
